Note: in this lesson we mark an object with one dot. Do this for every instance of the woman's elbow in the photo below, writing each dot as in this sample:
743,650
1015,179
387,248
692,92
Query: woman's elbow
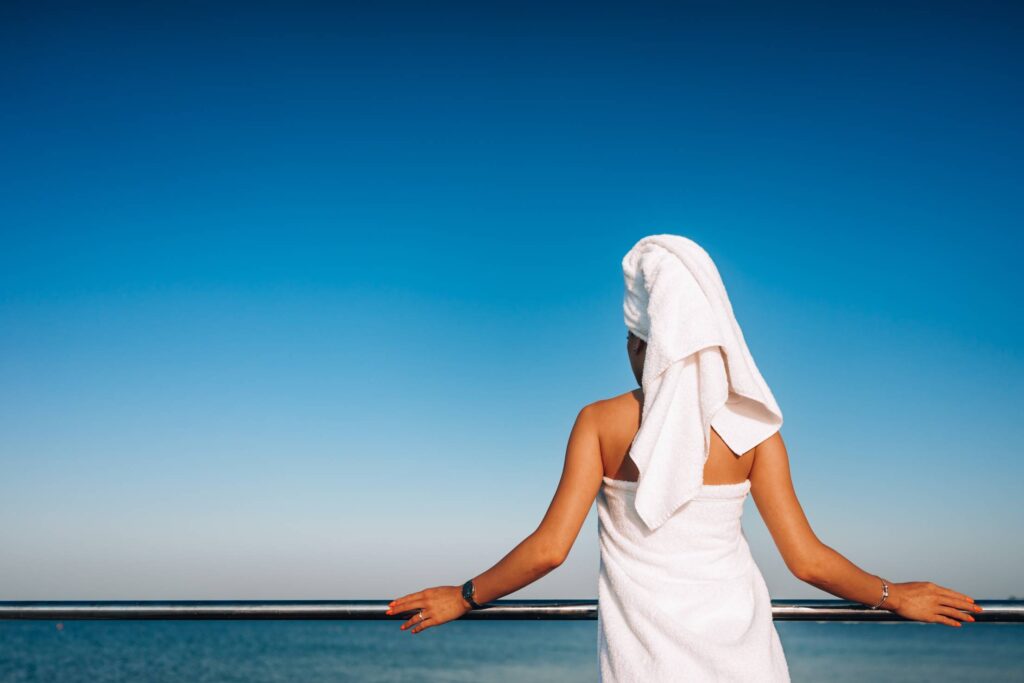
805,572
554,559
547,552
808,567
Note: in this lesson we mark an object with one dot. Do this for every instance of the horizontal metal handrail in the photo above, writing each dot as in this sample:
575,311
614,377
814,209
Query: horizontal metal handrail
782,610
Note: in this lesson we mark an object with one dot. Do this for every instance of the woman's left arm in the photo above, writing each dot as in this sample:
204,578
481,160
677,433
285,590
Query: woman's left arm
540,552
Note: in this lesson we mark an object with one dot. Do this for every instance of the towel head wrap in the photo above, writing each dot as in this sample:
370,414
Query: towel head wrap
698,372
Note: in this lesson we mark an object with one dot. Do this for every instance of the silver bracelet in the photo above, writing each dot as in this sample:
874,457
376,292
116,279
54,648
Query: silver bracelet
885,593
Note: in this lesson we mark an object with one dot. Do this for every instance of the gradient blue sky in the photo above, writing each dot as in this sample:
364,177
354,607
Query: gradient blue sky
301,301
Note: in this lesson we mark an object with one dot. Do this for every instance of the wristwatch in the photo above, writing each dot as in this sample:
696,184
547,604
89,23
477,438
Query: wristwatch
467,593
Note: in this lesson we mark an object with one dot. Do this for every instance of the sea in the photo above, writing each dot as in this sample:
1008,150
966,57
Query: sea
466,651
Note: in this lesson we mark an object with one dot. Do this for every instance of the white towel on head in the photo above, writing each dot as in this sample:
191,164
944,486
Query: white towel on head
698,372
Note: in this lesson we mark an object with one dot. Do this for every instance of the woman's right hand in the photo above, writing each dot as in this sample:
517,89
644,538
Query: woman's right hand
926,601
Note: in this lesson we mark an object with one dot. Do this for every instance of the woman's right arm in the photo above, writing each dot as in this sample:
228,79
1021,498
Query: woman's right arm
815,563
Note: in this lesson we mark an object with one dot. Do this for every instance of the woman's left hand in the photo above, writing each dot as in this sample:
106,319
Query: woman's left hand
435,605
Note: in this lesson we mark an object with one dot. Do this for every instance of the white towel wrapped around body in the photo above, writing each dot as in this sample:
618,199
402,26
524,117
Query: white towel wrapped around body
698,372
686,602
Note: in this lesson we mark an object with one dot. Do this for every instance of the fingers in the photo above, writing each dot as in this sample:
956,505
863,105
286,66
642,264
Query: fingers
954,606
939,619
929,602
404,603
949,592
964,605
427,622
432,607
415,623
954,614
960,601
407,605
413,602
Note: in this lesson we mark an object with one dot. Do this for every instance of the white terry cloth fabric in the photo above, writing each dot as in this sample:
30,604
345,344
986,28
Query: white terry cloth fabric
686,602
698,372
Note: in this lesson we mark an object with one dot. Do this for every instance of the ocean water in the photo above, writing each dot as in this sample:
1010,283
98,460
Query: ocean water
464,652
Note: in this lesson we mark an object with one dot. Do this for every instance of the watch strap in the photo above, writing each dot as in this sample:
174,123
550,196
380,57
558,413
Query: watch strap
467,593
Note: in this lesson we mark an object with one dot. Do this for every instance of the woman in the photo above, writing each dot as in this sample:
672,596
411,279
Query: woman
679,595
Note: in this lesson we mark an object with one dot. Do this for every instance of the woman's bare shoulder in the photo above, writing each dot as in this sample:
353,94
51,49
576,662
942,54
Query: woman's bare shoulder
620,413
629,400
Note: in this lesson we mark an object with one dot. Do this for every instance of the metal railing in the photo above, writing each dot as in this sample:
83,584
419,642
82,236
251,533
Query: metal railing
999,611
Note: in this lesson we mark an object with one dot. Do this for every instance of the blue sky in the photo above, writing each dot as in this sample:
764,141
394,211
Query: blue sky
301,301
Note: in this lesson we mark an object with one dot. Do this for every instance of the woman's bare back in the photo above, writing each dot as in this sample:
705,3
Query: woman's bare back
618,424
